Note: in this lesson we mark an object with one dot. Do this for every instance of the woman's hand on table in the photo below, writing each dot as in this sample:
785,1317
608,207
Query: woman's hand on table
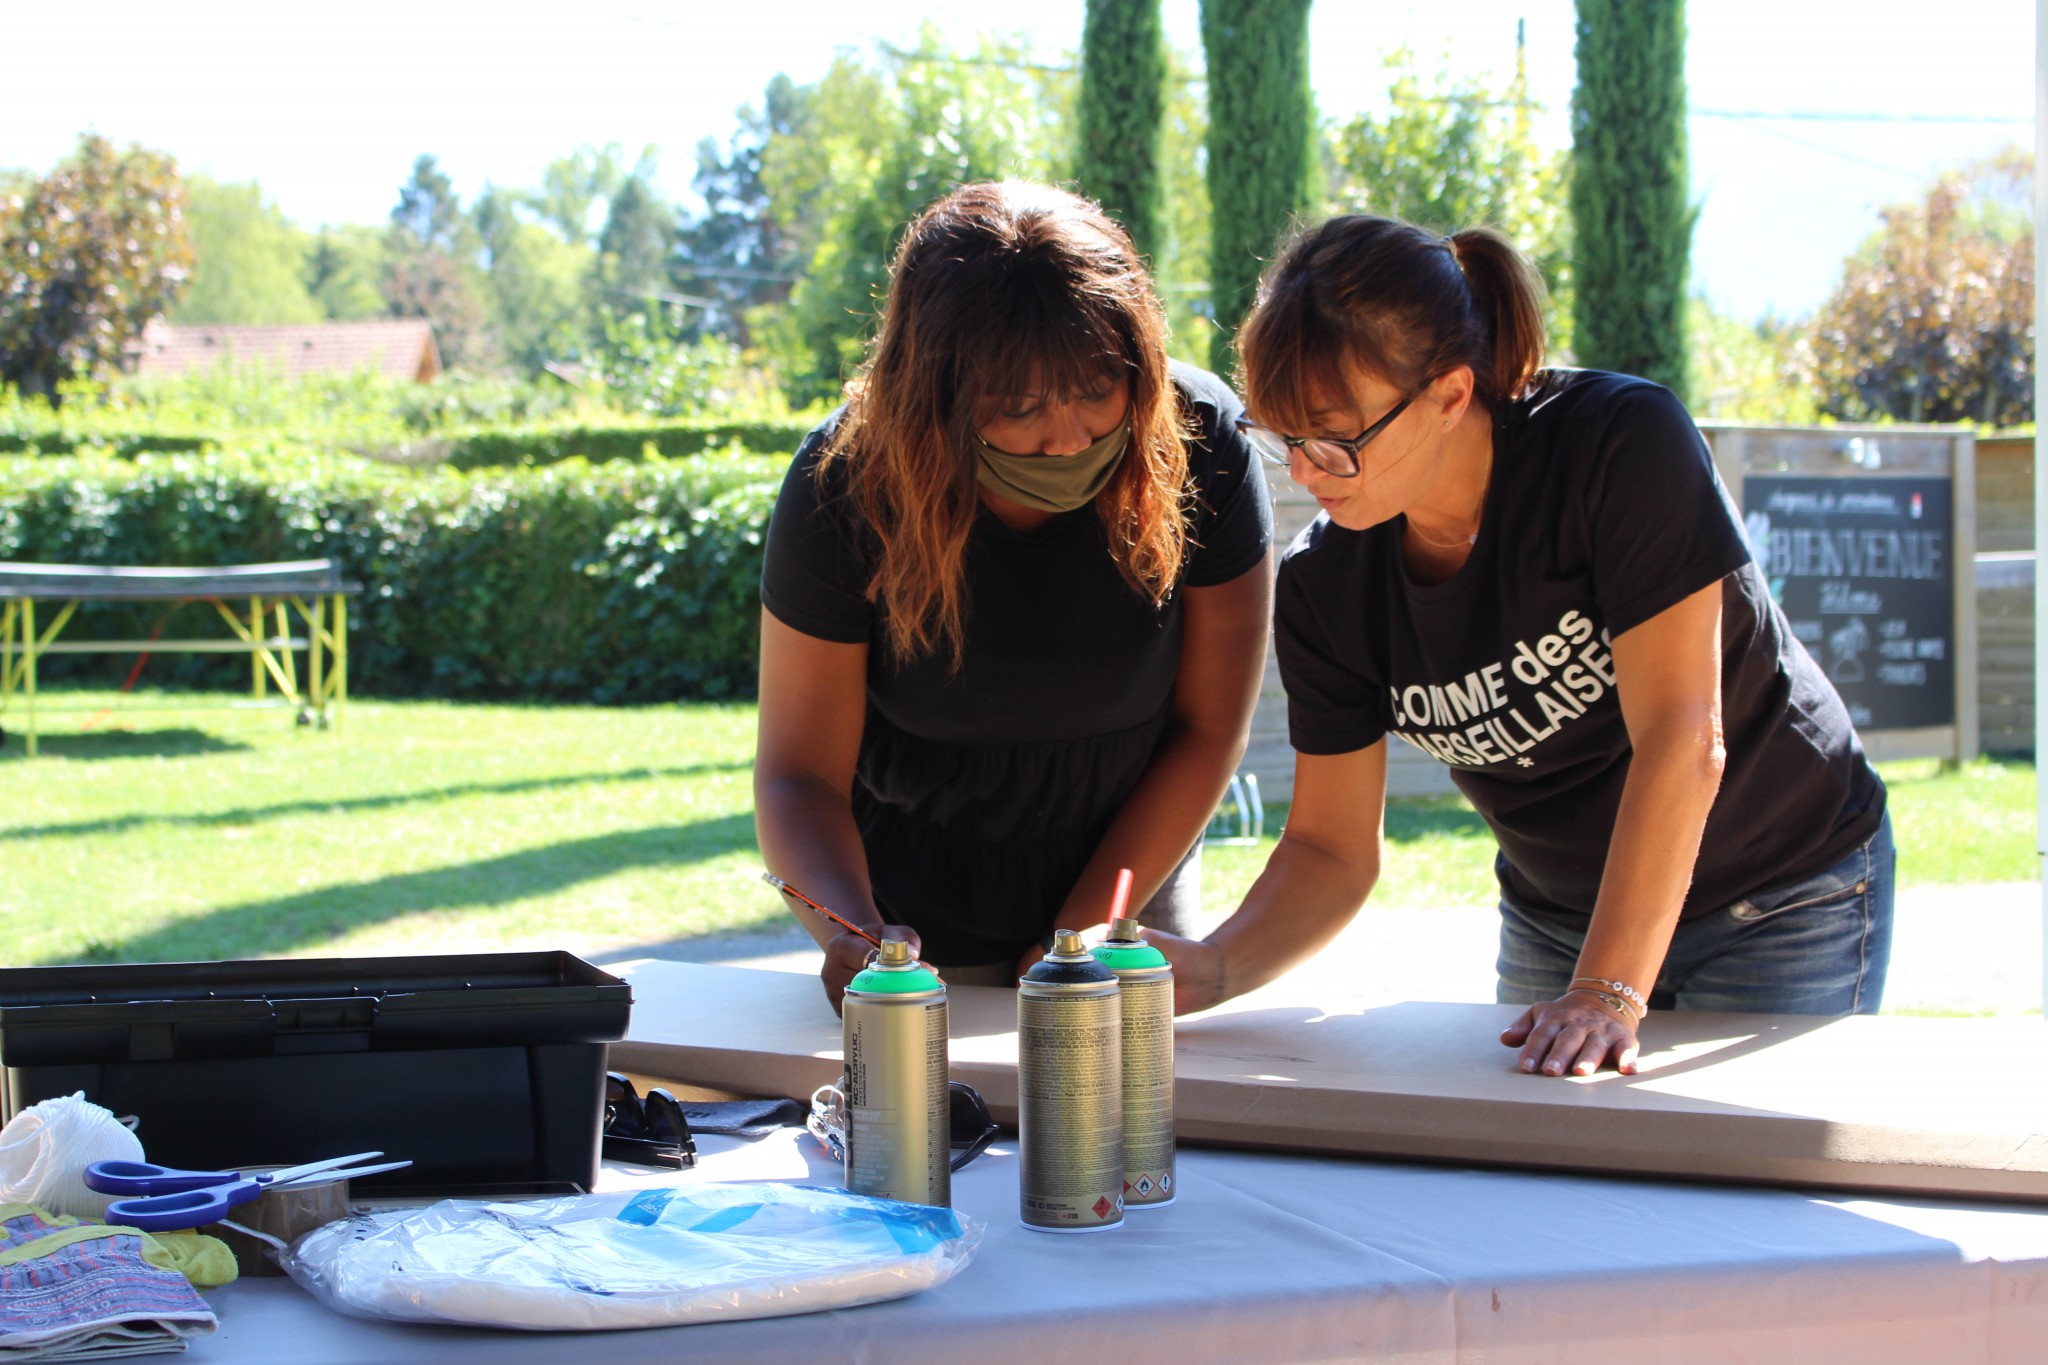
1574,1035
1198,970
846,956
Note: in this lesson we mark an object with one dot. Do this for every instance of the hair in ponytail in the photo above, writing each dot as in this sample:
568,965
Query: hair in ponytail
1376,294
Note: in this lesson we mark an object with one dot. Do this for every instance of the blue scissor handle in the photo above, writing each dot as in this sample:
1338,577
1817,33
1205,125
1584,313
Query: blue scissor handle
146,1177
186,1209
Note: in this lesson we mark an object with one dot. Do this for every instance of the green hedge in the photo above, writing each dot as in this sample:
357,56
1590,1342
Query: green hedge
546,445
625,582
126,445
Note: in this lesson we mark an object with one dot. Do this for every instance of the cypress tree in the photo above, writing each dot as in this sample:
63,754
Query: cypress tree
1631,216
1123,114
1261,145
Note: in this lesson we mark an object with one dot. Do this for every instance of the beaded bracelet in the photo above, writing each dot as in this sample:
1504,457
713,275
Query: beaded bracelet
1621,988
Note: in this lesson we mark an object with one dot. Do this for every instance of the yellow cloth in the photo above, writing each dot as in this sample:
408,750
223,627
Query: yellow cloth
207,1262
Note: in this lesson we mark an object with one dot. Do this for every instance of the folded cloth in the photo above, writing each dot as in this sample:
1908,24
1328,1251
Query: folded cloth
742,1118
82,1291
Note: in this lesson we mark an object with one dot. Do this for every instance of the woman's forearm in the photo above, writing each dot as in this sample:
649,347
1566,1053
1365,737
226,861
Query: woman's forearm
1300,902
1665,799
1158,823
808,838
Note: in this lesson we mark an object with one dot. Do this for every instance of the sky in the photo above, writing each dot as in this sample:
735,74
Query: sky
327,104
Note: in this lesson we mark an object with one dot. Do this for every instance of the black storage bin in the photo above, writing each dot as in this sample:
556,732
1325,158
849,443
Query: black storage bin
486,1069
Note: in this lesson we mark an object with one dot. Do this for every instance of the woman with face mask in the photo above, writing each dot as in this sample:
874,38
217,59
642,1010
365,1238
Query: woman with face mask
1536,576
1014,605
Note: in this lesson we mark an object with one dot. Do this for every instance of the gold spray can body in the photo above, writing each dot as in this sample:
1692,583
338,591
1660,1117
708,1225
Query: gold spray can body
1070,1092
1146,981
894,1029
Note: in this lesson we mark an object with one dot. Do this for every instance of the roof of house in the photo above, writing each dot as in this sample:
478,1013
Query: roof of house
400,347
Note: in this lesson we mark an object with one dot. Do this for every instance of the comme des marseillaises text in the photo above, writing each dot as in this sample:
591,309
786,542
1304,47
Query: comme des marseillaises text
1474,721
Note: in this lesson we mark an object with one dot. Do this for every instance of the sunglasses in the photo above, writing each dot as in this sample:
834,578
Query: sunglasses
969,1129
646,1131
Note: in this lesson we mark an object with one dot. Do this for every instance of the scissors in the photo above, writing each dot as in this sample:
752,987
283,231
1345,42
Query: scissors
188,1199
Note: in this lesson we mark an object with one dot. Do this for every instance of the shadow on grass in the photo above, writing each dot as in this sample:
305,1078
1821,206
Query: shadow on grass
104,744
307,920
248,815
1425,817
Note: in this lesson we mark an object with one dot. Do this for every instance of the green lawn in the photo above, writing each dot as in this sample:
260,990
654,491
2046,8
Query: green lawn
422,827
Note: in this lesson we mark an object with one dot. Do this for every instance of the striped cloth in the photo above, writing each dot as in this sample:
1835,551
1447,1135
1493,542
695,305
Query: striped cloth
81,1291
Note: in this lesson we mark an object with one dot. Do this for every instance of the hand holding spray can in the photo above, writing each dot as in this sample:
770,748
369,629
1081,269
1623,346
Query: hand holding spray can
1070,1092
897,1142
1145,979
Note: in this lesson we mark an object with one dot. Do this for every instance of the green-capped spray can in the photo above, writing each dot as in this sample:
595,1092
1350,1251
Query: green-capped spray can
1070,1093
897,1144
1145,979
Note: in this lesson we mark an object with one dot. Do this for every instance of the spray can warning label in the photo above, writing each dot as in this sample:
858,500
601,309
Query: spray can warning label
1070,1093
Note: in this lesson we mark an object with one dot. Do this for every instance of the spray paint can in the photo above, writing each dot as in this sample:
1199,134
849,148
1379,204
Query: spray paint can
1070,1094
1145,980
897,1144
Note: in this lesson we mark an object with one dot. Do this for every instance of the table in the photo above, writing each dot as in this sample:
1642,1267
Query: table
313,586
1302,1258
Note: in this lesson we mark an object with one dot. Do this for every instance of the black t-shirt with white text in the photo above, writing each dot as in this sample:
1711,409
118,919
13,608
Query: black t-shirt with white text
1603,510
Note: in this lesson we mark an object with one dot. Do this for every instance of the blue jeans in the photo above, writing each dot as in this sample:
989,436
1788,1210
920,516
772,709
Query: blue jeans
1818,945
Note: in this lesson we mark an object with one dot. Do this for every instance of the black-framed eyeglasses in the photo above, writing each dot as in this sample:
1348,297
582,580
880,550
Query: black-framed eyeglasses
1330,454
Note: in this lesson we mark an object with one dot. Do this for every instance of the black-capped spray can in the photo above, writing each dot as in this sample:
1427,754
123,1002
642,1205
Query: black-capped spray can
1070,1093
897,1143
1145,980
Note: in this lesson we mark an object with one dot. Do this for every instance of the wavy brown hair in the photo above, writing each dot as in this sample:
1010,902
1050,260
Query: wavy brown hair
1360,292
994,287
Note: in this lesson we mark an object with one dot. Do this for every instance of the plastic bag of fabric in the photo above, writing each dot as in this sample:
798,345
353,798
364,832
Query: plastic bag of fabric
651,1258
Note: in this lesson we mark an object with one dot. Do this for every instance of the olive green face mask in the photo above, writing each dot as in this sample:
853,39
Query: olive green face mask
1052,483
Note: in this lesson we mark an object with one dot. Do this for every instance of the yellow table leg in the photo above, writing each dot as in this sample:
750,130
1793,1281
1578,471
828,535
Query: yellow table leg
291,662
28,675
316,681
258,684
340,657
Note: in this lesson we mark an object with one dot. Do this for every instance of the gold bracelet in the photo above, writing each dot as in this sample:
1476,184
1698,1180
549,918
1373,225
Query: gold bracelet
1618,1004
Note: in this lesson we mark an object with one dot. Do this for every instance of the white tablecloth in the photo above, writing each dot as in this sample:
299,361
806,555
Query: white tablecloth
1283,1258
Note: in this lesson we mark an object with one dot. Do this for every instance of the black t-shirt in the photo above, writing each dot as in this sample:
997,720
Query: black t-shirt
1604,510
982,793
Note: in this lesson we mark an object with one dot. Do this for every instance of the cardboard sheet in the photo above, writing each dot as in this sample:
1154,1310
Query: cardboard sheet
1950,1107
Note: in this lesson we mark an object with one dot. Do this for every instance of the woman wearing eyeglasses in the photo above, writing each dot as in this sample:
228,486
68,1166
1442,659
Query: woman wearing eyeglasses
1015,602
1535,575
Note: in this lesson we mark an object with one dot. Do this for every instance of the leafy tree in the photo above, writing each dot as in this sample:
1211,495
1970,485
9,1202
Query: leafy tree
535,284
1934,318
649,364
1180,262
1632,222
430,270
1747,371
1261,144
1454,152
875,144
634,248
737,252
1123,113
88,255
345,270
250,260
574,185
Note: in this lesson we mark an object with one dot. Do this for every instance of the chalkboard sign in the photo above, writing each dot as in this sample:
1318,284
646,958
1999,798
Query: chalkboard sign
1864,568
